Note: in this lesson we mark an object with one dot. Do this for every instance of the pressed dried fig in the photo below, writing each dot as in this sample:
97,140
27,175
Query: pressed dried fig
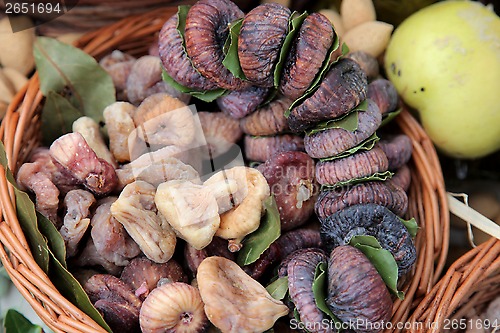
343,87
301,270
143,275
175,60
118,65
90,131
221,132
145,80
384,94
359,165
371,220
378,192
206,32
120,125
76,220
238,104
262,148
368,64
281,248
262,34
398,150
268,120
234,302
111,240
307,55
334,141
136,210
357,295
173,307
402,177
116,301
217,247
291,178
335,19
73,155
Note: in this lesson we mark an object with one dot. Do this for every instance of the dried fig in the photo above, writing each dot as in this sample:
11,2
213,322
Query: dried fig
343,87
238,104
361,164
234,302
334,141
118,65
220,130
402,178
120,125
398,150
90,257
357,295
371,220
217,247
268,120
175,60
367,62
262,148
262,34
291,178
301,269
76,220
136,210
378,192
308,52
384,94
206,31
173,307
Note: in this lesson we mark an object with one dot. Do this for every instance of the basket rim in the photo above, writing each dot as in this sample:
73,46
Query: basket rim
62,316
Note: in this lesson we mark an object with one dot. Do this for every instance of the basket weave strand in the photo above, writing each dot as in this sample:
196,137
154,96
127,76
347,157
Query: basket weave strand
20,132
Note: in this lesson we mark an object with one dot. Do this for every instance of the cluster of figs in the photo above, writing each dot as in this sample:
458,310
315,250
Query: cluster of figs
302,102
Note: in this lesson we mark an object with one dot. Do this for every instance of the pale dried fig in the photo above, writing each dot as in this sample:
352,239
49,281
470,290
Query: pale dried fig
371,37
221,132
17,50
120,124
118,65
356,12
234,302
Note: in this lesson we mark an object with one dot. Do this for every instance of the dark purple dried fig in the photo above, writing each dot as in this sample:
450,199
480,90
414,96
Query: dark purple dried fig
371,220
268,120
262,34
143,275
378,192
384,94
175,60
291,178
334,141
361,164
343,87
238,104
301,270
307,55
402,178
398,150
206,32
218,247
367,62
357,295
281,248
263,147
116,301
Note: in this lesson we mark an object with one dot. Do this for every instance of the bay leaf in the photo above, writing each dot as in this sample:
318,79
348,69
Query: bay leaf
54,239
58,116
365,145
320,290
182,12
278,288
62,67
382,260
15,322
260,240
378,176
231,60
388,117
411,225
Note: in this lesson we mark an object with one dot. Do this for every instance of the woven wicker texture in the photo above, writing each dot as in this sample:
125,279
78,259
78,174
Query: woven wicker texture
20,133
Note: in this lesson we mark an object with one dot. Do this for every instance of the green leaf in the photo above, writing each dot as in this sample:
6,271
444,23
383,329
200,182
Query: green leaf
15,322
58,116
71,289
206,96
365,145
378,176
231,60
319,287
349,122
384,262
388,117
53,237
62,67
182,12
259,240
278,288
294,23
411,225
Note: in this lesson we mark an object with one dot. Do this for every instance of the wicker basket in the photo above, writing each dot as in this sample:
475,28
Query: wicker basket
20,133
